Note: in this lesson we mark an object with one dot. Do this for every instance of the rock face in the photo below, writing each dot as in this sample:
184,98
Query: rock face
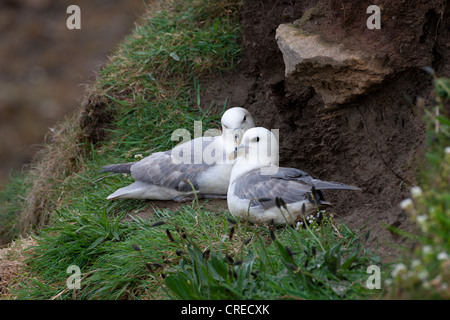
337,74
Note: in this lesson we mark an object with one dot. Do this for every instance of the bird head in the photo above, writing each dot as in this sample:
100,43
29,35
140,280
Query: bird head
235,122
259,147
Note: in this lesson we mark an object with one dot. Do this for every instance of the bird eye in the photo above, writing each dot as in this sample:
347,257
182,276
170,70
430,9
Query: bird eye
245,118
257,139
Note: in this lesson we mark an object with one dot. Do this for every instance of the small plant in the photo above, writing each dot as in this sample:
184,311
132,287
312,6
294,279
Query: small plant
314,262
426,274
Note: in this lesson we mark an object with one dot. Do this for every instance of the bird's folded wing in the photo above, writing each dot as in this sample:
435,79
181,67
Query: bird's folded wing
303,177
165,170
264,189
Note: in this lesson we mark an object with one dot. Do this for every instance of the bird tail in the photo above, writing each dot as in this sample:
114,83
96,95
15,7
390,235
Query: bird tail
135,190
324,185
118,168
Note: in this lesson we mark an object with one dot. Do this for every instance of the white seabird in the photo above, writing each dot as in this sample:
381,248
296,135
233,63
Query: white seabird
200,164
257,181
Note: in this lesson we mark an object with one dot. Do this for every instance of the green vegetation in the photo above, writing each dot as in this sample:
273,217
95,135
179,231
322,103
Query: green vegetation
314,262
425,274
194,254
12,201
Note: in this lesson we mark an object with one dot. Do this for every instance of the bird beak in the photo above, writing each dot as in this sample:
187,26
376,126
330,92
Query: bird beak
239,151
237,136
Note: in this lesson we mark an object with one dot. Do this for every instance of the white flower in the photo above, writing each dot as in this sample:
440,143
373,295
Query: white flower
138,156
415,263
407,204
416,192
447,150
426,250
443,256
422,275
399,268
421,219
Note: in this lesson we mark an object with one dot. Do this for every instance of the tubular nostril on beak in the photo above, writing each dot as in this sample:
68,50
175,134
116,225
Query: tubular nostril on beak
237,136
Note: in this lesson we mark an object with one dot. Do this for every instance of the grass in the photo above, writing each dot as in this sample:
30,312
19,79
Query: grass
142,258
12,200
148,89
316,262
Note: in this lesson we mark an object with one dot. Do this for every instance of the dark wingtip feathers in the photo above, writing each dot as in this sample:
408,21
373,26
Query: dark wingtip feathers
118,168
324,185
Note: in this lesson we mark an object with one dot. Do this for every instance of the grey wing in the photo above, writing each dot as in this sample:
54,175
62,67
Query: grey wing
295,175
163,170
303,177
264,189
290,173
